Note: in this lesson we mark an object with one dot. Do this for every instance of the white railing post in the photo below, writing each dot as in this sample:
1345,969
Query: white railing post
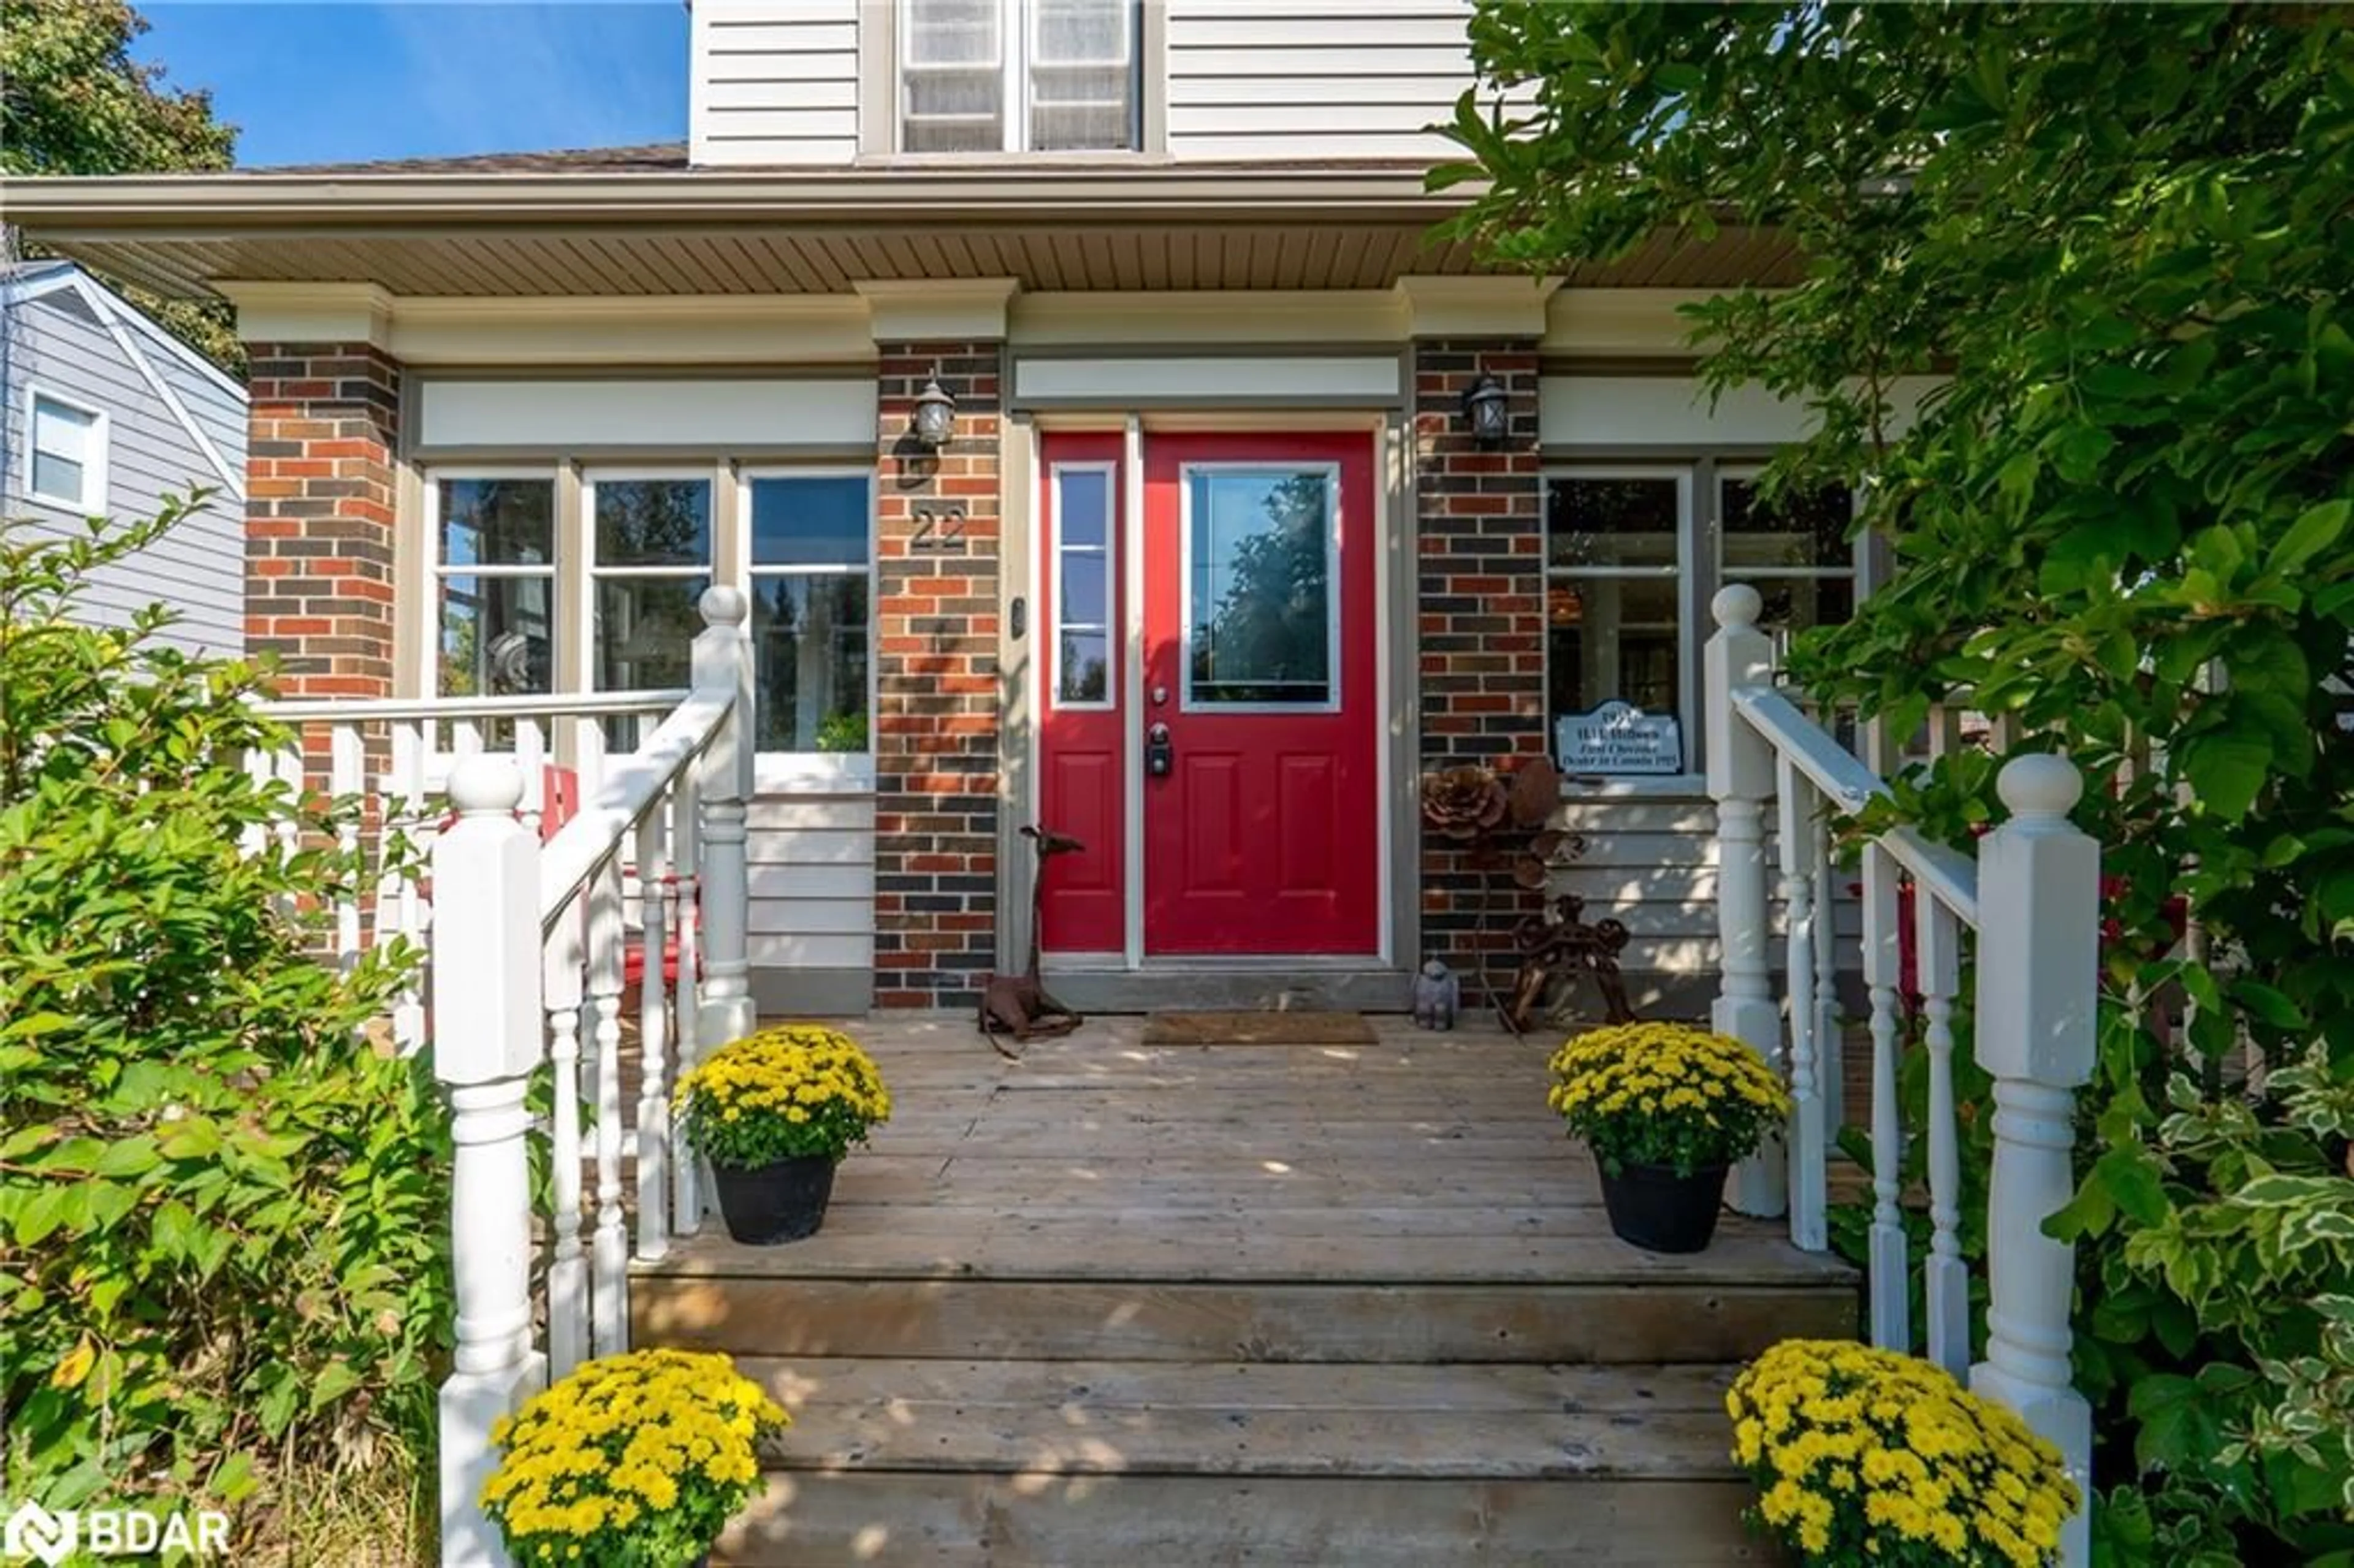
347,787
723,662
2039,959
609,1243
653,1028
1937,960
1884,967
686,1187
567,1267
1741,780
1808,1150
487,1009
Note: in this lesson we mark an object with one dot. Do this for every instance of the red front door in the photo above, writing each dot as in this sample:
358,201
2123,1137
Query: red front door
1261,825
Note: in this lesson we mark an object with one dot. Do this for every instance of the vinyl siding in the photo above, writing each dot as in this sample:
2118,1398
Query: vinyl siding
199,570
812,875
1287,80
775,81
1651,862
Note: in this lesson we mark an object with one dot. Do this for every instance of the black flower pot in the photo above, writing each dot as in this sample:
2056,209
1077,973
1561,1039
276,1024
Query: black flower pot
783,1201
1653,1208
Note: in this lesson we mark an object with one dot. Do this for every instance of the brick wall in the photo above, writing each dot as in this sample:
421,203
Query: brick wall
1481,600
320,499
936,757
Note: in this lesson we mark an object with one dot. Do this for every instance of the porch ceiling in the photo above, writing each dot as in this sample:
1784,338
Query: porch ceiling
697,232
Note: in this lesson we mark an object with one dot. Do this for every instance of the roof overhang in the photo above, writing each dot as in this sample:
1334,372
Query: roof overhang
1047,227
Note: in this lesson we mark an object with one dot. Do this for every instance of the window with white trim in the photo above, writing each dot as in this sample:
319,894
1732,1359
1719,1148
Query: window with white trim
1633,555
536,594
1014,76
494,565
68,443
1084,663
811,575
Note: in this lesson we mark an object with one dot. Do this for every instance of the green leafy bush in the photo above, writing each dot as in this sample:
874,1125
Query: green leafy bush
222,1214
2119,236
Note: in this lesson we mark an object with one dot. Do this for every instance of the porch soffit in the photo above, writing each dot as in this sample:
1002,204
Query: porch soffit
1062,230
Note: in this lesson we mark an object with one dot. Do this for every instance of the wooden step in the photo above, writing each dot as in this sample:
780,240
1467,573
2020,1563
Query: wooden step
1083,1463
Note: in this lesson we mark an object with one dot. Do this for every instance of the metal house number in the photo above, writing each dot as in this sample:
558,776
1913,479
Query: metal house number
939,528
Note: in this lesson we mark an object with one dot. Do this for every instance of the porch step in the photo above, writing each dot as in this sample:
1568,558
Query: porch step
1130,1307
1082,1463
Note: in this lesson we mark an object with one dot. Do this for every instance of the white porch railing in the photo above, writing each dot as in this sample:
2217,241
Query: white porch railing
528,947
2030,897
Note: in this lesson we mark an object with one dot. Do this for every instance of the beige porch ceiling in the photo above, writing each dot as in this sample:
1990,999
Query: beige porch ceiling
681,231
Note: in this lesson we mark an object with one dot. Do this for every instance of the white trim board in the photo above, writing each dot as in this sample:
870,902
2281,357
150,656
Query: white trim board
1345,378
1638,411
704,415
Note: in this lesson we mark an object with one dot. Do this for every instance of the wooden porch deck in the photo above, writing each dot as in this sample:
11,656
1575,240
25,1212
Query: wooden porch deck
1170,1306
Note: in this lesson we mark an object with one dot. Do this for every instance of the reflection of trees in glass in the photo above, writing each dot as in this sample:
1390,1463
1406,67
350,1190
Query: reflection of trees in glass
653,522
1268,638
808,634
461,635
498,522
1086,677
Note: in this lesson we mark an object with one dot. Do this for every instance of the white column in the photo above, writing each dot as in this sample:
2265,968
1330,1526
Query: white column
723,662
348,784
686,1186
486,1013
608,1247
408,746
1883,966
1741,780
567,1268
1809,1149
653,1027
2038,958
1938,958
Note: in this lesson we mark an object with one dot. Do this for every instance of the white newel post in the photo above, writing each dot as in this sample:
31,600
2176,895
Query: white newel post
723,662
2039,957
1741,780
486,1019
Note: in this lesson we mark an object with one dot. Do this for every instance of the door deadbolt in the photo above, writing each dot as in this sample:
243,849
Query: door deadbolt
1160,756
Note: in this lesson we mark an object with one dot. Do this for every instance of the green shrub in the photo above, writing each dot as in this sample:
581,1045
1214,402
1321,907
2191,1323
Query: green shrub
223,1216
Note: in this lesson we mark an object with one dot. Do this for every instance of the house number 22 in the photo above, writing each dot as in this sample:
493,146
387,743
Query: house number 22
939,529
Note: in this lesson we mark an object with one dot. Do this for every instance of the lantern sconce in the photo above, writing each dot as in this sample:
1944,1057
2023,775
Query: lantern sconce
1487,408
935,417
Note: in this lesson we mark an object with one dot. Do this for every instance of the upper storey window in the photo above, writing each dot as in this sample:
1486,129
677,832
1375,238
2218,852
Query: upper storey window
1017,76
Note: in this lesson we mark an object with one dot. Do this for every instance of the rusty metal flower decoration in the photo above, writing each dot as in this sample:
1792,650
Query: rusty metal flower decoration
1463,802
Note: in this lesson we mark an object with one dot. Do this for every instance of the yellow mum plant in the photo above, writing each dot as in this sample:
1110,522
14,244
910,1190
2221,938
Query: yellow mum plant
633,1461
789,1090
1667,1095
1866,1455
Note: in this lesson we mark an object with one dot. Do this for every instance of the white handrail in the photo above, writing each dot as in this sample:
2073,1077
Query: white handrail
2030,892
633,786
565,704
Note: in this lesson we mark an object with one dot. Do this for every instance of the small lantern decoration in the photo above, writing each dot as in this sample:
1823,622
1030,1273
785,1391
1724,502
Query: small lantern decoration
935,417
1487,408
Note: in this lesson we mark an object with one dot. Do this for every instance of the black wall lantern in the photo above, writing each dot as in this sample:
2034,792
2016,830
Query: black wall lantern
935,419
1487,408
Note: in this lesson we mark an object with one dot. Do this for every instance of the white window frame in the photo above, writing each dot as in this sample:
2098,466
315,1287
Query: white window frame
1113,633
1333,565
91,501
1688,606
437,569
590,573
1018,57
786,771
1746,473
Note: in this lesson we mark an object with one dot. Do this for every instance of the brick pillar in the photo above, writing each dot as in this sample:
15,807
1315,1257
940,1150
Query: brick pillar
1480,605
319,515
935,735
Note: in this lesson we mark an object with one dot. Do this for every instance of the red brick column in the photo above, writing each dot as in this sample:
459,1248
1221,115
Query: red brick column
323,436
1479,600
935,735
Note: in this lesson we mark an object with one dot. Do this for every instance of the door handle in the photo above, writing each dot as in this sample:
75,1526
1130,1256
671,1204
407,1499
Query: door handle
1160,756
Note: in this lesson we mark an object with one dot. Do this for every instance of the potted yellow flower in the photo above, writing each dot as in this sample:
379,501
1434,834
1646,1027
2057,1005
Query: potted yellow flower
1866,1455
774,1113
1666,1109
633,1461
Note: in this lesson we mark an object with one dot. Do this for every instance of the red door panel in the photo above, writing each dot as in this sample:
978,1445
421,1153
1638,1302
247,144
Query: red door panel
1263,836
1083,760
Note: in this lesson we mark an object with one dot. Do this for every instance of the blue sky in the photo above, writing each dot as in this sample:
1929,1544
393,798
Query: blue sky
314,82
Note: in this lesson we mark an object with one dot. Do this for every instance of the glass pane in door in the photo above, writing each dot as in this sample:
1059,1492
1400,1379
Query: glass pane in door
1260,622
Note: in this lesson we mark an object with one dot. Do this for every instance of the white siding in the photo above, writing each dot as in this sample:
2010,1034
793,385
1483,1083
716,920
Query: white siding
1313,80
1651,863
812,874
775,81
199,570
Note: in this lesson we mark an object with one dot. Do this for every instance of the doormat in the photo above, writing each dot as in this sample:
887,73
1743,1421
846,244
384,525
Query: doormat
1258,1028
